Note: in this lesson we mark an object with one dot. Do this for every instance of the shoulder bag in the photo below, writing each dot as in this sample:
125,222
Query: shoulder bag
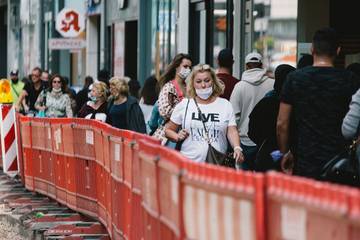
344,167
214,156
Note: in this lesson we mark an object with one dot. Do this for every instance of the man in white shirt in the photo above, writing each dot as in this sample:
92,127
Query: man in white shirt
247,93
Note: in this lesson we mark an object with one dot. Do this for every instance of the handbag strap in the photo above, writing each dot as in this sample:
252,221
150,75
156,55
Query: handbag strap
186,109
203,121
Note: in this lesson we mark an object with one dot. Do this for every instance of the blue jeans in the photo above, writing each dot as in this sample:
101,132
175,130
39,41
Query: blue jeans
249,155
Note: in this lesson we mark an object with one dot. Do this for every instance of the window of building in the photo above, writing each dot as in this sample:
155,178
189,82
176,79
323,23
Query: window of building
163,32
275,31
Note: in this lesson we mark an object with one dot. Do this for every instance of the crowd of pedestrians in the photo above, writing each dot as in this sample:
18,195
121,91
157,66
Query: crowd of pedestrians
294,121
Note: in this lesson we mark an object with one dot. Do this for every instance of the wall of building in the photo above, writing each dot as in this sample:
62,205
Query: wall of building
115,14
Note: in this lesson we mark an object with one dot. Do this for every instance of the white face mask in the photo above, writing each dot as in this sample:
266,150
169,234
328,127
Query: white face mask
56,90
204,93
93,99
184,72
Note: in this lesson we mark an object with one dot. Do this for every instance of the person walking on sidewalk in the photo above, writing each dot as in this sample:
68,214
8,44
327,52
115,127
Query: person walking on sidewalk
224,72
96,108
216,124
173,90
31,92
16,85
318,98
247,93
55,102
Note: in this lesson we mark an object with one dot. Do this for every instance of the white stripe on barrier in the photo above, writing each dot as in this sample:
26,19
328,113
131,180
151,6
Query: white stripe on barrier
201,223
189,212
228,217
213,211
10,155
8,122
247,220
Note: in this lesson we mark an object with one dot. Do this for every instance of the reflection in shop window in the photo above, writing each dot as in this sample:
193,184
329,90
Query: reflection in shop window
275,30
163,25
219,28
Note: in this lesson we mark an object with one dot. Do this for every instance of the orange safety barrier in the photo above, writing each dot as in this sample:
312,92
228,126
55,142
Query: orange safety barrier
300,208
141,190
25,134
20,152
222,204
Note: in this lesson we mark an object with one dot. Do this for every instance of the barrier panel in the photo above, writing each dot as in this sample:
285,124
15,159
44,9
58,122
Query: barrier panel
170,168
222,204
41,155
59,160
116,166
101,173
9,147
141,190
20,149
84,151
26,146
300,208
149,189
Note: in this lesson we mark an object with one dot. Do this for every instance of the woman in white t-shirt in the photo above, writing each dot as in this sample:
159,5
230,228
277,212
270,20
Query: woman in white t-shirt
205,89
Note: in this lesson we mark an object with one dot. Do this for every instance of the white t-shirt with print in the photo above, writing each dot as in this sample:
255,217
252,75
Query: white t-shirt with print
218,115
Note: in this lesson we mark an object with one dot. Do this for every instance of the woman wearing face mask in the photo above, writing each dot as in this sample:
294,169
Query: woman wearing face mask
124,111
54,102
173,89
204,90
97,106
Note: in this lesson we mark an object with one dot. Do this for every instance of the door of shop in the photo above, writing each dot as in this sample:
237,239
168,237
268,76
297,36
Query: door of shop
210,29
131,53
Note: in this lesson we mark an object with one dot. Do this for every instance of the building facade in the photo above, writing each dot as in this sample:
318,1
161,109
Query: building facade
138,38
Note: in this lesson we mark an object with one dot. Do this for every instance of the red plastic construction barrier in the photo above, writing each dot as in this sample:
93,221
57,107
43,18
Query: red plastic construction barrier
20,150
222,204
84,150
141,190
301,208
149,189
26,147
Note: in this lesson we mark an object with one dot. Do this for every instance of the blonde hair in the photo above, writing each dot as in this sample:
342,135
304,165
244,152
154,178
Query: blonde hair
102,89
121,84
218,88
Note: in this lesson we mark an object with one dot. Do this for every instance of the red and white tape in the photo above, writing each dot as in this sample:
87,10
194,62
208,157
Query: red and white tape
8,140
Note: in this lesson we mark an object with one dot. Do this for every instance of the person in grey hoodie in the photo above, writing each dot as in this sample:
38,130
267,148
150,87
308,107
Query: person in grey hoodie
247,93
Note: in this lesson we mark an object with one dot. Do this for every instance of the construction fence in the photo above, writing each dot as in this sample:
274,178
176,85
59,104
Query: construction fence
141,190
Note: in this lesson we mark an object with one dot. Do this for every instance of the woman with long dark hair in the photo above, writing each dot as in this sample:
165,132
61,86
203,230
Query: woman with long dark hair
54,101
173,90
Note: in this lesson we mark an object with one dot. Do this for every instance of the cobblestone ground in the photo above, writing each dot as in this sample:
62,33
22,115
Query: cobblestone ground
7,231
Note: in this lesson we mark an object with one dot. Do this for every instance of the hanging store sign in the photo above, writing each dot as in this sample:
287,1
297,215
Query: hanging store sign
66,44
70,23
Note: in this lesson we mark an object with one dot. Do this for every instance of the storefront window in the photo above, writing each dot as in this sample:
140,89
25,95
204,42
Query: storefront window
163,32
275,31
220,28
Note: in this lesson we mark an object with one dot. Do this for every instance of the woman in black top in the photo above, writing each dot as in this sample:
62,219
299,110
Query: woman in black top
124,111
96,108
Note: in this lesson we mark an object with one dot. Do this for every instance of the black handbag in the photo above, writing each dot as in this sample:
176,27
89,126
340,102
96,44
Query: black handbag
214,156
344,167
